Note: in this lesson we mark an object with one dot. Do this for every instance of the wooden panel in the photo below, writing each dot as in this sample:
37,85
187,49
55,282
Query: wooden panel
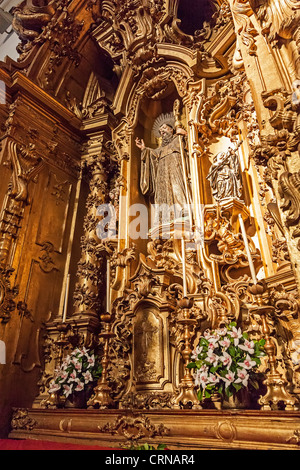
39,299
55,207
148,347
177,429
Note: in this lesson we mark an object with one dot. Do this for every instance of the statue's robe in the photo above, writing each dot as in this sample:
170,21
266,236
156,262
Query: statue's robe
162,174
225,179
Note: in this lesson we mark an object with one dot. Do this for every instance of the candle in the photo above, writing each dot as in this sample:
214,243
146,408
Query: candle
183,268
250,260
108,287
66,299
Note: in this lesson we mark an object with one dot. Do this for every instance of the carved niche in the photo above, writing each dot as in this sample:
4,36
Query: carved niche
148,362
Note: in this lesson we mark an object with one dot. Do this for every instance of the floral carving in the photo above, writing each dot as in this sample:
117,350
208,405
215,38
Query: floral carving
242,11
272,153
25,165
46,262
134,427
22,420
219,110
289,190
7,294
231,246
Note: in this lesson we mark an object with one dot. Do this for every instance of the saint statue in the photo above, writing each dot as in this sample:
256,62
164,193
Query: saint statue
162,171
296,95
224,176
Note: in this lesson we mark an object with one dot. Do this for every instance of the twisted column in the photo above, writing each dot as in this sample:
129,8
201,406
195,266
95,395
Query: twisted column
90,288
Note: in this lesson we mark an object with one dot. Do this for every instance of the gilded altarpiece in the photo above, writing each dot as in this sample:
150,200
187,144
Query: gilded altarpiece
98,81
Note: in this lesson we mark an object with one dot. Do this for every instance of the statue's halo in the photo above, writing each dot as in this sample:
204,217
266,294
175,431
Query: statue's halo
164,118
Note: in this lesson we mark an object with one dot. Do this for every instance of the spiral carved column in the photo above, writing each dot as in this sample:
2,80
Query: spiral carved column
88,290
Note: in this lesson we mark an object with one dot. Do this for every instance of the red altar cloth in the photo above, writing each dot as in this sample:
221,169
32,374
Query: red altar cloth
27,444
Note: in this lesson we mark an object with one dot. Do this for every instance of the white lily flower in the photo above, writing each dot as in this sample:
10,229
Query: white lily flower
68,389
222,331
91,361
73,376
226,359
212,358
225,343
248,363
54,387
79,387
213,379
213,342
243,377
196,352
236,334
87,377
229,378
247,346
62,376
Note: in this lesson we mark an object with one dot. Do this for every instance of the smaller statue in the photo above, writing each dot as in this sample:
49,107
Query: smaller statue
224,176
296,95
296,107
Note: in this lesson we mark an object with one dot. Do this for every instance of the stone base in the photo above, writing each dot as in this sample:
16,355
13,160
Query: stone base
178,429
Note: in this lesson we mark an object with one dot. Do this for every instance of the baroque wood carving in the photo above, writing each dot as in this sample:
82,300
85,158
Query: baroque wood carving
93,77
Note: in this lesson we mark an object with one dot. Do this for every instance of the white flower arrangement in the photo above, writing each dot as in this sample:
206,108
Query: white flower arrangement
80,368
225,361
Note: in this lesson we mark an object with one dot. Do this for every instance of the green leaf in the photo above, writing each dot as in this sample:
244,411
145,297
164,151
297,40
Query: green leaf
237,386
210,387
191,365
161,447
254,384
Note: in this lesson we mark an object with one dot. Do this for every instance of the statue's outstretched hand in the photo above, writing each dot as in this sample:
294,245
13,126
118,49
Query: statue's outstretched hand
140,143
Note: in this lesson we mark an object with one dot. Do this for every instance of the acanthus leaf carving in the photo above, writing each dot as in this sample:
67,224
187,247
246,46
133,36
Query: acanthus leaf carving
46,262
22,420
287,308
7,294
289,190
279,21
219,110
134,427
242,12
25,165
232,256
272,154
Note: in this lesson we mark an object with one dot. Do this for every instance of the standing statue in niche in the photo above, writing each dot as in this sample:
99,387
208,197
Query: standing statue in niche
163,170
224,176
